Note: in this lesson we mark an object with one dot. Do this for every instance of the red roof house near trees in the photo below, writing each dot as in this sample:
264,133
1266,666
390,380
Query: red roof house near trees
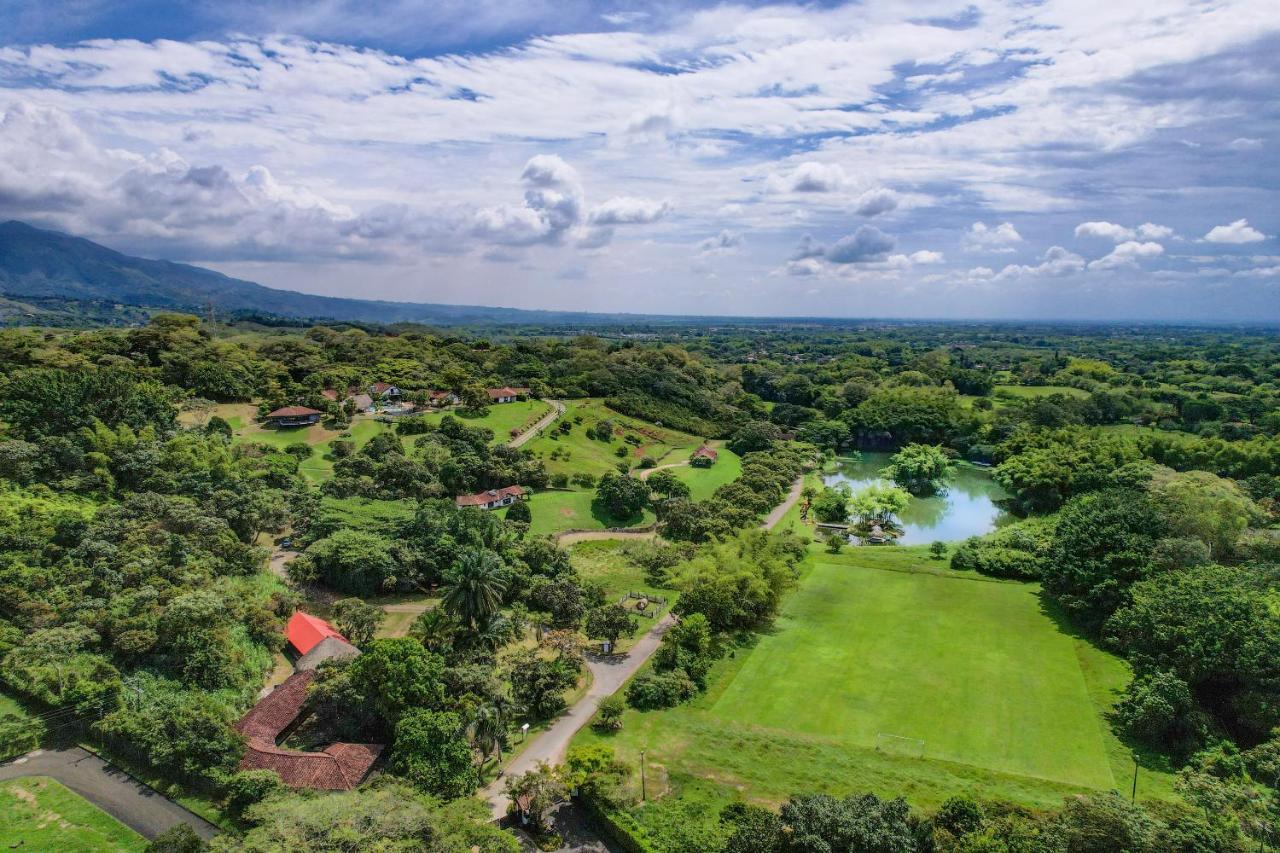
304,631
338,767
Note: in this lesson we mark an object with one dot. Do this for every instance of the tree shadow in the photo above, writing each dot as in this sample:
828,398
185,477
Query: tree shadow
601,514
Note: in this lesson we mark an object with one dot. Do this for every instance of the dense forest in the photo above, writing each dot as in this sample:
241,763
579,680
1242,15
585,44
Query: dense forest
137,611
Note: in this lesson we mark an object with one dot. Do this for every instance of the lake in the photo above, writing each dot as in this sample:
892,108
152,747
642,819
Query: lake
967,509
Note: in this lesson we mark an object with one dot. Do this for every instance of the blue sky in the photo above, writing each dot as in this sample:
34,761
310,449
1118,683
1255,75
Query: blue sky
1086,159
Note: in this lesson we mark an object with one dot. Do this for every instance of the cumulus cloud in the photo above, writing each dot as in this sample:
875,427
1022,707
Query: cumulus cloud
993,237
1151,231
1237,232
1057,261
875,202
1105,230
723,243
808,248
926,256
1127,254
866,244
809,177
628,210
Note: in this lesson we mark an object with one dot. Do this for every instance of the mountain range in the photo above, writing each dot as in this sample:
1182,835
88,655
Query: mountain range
52,277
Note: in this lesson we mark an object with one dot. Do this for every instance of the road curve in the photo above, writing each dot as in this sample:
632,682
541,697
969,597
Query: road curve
137,806
775,515
644,474
608,675
557,409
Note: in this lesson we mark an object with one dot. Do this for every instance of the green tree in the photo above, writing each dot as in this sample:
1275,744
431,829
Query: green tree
431,751
667,485
921,469
355,561
520,511
357,620
832,504
622,496
751,829
1203,506
539,789
611,709
397,674
609,623
753,436
474,587
179,838
879,503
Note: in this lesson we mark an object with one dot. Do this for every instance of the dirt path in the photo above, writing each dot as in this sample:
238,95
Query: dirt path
567,539
557,409
771,520
279,557
608,674
142,809
644,475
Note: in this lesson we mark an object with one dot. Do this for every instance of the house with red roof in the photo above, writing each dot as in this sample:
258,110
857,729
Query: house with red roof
385,391
304,631
703,457
293,416
337,767
493,498
501,395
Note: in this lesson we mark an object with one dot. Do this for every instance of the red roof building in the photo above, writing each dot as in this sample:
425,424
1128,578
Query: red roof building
493,498
705,452
294,416
304,631
338,767
502,395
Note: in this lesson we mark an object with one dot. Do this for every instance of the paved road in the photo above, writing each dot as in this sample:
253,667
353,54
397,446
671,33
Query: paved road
608,674
143,809
775,515
557,409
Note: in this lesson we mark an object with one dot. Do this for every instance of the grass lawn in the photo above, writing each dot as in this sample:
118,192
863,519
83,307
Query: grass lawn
885,641
316,468
500,417
703,482
1030,391
365,513
38,813
576,452
554,511
605,563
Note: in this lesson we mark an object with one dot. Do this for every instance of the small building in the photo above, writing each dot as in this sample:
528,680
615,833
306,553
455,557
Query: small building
363,402
304,632
505,394
443,398
703,457
294,416
385,391
492,499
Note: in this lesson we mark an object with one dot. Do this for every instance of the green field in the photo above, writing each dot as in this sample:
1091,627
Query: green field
554,511
499,417
38,813
575,452
605,563
1031,391
365,513
703,482
887,642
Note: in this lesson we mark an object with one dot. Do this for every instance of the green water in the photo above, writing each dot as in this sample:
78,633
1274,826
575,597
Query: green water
967,509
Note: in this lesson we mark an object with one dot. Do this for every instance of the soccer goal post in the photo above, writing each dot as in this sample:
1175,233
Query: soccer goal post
899,745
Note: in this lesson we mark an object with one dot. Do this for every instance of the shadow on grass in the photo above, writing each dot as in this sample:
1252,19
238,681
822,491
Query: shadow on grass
1144,755
602,514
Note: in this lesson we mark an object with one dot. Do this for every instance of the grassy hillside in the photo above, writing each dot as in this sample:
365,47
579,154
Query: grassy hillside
576,452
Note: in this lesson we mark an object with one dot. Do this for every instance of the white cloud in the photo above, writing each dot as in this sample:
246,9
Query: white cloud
1127,254
996,237
1151,231
1057,261
875,202
1105,230
926,256
1245,143
627,210
723,243
1237,232
809,177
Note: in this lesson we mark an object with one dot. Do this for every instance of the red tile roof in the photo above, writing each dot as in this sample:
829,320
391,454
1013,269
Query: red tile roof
381,387
492,495
294,412
305,630
495,393
339,767
706,452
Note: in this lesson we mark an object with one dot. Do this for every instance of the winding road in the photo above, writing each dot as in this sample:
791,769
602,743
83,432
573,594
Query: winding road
775,515
608,674
142,809
557,409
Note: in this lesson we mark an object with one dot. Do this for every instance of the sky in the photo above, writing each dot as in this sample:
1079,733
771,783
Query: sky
1048,160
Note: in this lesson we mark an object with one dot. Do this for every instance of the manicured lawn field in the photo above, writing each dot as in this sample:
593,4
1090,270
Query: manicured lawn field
554,511
575,452
1029,391
500,417
703,482
886,641
38,813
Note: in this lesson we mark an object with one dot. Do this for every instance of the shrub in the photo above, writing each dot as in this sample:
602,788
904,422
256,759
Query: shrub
250,787
650,692
647,462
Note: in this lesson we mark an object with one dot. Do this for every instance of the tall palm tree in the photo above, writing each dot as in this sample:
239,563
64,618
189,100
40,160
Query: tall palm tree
489,731
474,588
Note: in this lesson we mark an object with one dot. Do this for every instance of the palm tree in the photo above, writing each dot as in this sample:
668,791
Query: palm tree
475,587
434,628
489,731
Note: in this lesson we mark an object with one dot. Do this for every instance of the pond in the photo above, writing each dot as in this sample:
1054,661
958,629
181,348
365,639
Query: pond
967,509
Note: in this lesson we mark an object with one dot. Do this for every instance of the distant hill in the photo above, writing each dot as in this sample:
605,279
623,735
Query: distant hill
50,276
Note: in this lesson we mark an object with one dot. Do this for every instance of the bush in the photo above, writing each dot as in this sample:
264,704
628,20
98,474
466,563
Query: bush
650,692
519,511
250,787
647,462
300,450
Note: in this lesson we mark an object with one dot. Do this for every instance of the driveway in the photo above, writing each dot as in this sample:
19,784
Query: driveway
608,673
557,409
143,809
775,515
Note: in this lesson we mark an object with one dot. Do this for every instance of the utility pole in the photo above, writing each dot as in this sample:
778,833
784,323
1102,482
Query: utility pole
1133,797
643,792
